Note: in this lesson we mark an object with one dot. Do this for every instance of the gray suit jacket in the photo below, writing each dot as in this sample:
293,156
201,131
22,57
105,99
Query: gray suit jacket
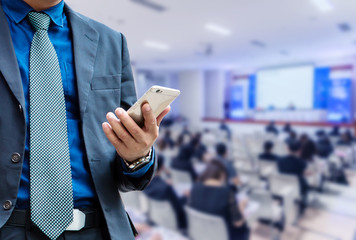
105,81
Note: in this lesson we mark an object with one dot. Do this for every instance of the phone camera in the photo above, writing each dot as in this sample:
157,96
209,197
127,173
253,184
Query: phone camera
158,91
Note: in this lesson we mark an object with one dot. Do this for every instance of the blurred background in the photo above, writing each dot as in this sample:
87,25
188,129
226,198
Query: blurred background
260,144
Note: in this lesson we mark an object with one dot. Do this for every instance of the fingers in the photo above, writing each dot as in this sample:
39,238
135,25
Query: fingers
119,130
110,134
164,113
150,120
130,125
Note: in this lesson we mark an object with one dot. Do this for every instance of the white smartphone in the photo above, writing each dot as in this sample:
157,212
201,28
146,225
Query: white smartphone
158,97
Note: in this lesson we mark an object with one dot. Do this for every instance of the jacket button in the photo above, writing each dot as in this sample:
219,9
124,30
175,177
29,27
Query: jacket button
15,157
20,107
7,205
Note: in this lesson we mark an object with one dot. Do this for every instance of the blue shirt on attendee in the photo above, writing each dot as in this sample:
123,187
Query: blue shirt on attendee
60,35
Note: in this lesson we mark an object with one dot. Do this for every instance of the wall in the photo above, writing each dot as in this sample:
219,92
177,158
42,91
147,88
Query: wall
214,89
192,95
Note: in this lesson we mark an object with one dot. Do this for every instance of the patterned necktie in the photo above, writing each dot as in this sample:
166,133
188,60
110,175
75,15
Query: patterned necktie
50,172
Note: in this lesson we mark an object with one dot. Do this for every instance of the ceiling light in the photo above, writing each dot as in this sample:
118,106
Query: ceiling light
323,5
157,45
217,29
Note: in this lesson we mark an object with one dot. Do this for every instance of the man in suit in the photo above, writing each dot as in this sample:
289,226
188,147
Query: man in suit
48,50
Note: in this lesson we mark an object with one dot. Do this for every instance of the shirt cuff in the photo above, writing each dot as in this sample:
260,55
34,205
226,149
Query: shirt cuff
142,171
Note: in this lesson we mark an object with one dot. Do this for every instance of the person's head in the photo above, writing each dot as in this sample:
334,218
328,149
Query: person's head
221,149
161,144
215,170
294,147
271,123
167,134
160,164
292,135
304,138
268,146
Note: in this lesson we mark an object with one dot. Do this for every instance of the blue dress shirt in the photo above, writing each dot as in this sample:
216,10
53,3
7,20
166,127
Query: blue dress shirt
60,35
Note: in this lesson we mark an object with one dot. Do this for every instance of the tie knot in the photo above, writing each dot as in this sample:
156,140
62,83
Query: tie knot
39,21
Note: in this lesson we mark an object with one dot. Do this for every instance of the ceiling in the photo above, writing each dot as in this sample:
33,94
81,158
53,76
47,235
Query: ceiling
283,31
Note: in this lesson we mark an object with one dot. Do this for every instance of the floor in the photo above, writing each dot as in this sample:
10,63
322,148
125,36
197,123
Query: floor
331,217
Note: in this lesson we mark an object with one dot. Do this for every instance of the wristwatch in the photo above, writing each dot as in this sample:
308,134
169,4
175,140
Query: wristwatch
139,163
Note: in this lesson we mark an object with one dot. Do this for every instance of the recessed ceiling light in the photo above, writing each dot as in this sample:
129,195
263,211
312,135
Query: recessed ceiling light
217,29
157,45
323,5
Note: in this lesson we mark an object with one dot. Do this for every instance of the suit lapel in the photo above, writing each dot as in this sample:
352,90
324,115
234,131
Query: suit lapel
85,42
8,61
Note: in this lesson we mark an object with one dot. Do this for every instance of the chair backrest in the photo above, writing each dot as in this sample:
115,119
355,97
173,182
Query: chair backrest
265,200
267,168
205,226
132,200
250,178
282,184
162,213
179,177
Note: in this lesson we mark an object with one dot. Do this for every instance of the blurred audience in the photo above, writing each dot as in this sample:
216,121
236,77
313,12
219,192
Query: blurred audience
161,190
294,165
287,127
271,128
268,154
167,138
346,139
183,161
335,132
212,195
292,137
308,148
324,146
221,156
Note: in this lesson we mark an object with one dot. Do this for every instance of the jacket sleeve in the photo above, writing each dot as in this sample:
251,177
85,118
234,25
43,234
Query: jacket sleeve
128,98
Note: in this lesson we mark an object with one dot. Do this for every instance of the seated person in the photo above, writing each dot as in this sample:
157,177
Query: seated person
221,155
294,165
287,127
199,148
159,189
335,131
183,161
308,148
168,139
267,152
324,146
271,128
292,137
212,195
346,139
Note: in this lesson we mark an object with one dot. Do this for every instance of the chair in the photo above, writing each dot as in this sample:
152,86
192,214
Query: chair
179,177
251,179
268,209
282,184
132,200
287,187
205,226
162,214
267,168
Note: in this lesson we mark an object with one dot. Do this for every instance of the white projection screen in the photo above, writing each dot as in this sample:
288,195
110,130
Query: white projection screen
281,88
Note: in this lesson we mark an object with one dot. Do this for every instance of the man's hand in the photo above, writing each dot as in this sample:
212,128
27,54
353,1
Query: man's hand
130,141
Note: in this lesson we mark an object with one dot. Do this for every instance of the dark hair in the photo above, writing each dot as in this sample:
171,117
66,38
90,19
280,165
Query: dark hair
160,162
213,170
220,149
294,146
267,146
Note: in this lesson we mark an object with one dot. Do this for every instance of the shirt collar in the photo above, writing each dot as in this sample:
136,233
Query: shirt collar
17,10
